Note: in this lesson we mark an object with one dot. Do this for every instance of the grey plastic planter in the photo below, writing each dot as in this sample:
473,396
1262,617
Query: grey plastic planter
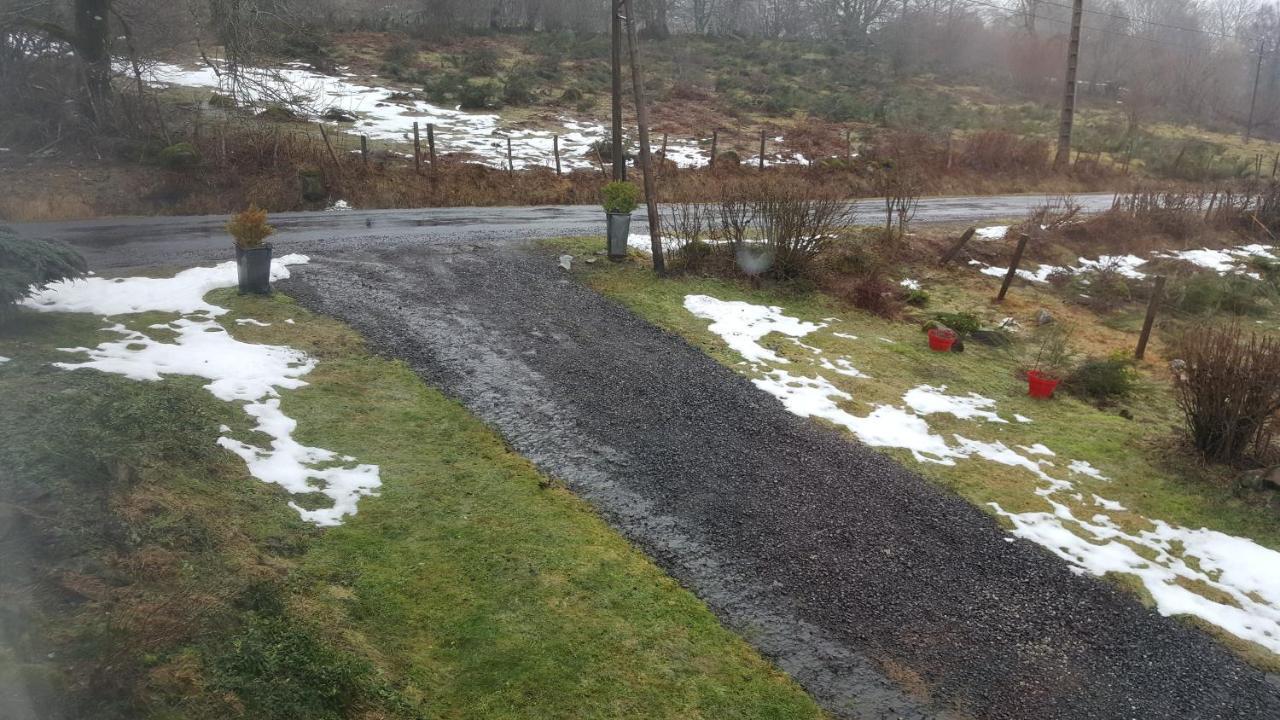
253,267
619,231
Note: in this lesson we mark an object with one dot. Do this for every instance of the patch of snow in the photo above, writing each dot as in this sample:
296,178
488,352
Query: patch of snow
1037,449
842,366
1021,418
995,232
183,293
248,321
289,321
742,325
339,206
1106,504
1239,568
236,371
910,284
1082,467
846,336
928,400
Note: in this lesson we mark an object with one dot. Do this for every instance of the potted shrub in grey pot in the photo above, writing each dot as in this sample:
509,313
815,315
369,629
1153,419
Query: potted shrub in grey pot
620,198
253,253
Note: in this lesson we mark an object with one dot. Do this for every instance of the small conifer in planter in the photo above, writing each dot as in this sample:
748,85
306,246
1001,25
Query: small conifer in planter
620,198
250,231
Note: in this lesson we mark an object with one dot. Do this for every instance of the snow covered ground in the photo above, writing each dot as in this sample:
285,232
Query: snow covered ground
379,116
1167,559
246,373
1228,261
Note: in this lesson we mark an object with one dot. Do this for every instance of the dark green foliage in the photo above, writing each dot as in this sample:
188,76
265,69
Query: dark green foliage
963,322
179,155
620,197
1102,379
479,62
1209,293
519,88
837,107
483,95
27,265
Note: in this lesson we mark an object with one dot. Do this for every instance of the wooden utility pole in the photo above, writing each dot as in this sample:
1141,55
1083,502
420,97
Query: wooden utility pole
1156,293
1069,90
762,148
1253,101
615,36
555,147
642,121
715,140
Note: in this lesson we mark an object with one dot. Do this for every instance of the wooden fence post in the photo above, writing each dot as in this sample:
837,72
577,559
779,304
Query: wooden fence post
364,149
511,166
332,156
431,145
1013,266
950,255
555,147
1156,292
848,147
664,147
715,140
949,133
762,148
417,149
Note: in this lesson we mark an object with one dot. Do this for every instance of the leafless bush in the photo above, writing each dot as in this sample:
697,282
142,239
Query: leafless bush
686,224
736,212
797,223
1228,387
999,151
1176,213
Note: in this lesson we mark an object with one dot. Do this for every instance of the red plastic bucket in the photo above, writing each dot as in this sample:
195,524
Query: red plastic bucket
1040,386
941,339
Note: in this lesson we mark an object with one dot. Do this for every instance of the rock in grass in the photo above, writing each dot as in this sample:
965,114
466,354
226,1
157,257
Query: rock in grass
991,338
1043,317
566,262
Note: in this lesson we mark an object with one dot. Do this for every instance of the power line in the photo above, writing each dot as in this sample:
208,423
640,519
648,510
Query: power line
1012,13
1154,23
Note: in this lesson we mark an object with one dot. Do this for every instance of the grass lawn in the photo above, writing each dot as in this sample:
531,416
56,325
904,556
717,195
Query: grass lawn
165,582
1146,466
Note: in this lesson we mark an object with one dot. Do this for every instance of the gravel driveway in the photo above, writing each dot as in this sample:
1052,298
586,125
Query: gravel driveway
882,594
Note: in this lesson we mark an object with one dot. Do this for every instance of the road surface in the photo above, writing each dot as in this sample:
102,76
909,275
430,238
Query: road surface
128,241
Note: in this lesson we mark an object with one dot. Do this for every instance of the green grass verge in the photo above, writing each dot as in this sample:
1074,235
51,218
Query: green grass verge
164,582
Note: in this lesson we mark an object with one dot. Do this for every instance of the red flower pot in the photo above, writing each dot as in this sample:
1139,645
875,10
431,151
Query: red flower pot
1040,386
941,339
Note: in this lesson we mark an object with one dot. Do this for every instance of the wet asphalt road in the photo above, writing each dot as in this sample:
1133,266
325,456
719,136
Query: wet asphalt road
140,241
845,567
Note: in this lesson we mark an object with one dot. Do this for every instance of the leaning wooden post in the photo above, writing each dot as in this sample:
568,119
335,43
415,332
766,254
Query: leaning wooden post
431,145
511,166
1013,266
950,255
762,148
364,149
848,148
642,125
417,149
664,147
1156,292
555,147
715,140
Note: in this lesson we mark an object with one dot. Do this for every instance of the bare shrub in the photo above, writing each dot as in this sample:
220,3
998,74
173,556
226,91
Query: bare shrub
999,151
1178,214
1228,388
736,212
797,223
856,274
686,224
